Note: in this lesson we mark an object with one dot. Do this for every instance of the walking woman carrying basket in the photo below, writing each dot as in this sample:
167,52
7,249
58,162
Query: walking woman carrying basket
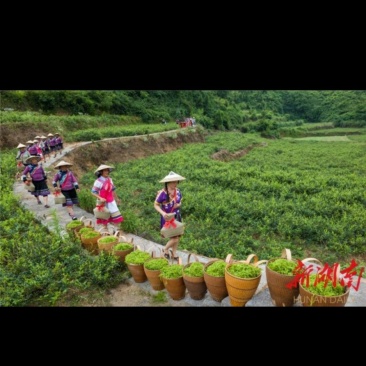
168,201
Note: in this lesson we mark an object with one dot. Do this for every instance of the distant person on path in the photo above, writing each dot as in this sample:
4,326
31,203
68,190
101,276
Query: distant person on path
169,200
44,147
38,147
32,148
22,155
39,179
59,144
105,191
47,149
52,144
68,186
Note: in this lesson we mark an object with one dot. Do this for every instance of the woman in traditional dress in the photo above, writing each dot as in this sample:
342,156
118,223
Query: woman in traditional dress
105,192
167,201
39,179
68,186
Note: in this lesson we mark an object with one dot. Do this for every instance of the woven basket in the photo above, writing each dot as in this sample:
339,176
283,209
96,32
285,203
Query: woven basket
152,275
171,229
91,244
175,287
216,286
121,254
310,299
241,290
107,247
196,286
101,212
137,270
59,199
277,283
87,222
29,186
283,289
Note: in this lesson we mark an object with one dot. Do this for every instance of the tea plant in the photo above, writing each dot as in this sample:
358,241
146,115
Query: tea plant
84,230
284,192
107,239
216,269
195,269
73,224
244,270
137,257
282,266
89,234
155,264
123,246
172,271
322,288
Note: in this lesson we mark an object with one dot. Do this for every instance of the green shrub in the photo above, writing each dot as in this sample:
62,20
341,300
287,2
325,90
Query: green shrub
160,297
131,221
86,200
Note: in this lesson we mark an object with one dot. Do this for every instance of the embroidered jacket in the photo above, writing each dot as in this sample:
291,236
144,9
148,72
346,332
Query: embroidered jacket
66,180
36,172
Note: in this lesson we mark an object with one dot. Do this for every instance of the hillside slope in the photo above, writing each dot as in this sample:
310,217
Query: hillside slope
118,150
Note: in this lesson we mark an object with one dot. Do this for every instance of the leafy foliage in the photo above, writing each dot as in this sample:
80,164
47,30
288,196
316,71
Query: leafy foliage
194,269
73,224
155,264
88,234
282,266
123,246
243,270
86,229
216,269
172,271
137,257
107,239
323,288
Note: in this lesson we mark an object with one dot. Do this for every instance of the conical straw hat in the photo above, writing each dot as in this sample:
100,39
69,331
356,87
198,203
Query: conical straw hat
27,161
172,177
102,167
62,163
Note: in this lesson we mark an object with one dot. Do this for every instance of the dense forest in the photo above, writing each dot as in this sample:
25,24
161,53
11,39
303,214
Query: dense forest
220,110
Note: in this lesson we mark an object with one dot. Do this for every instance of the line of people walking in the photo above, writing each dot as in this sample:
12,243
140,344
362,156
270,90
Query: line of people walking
167,201
42,146
28,161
